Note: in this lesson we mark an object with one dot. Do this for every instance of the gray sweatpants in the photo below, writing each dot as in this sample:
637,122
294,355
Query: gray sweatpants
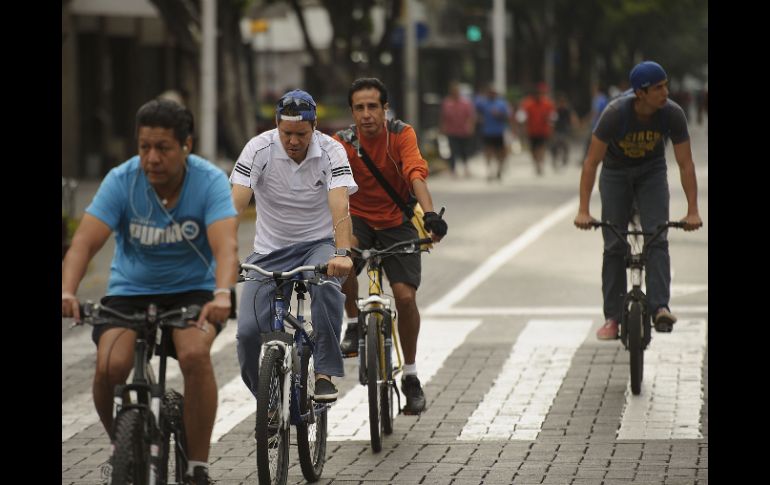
255,314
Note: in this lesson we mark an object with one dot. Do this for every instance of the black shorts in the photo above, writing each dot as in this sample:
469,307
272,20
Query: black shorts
400,268
497,142
537,141
138,303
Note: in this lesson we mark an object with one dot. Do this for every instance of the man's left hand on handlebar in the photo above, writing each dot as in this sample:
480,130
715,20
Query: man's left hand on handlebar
339,266
435,225
692,222
215,311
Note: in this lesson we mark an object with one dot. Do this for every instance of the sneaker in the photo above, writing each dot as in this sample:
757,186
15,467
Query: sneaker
200,476
349,344
325,390
105,470
608,331
415,398
664,320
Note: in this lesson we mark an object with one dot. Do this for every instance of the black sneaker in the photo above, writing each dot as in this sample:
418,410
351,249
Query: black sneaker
349,344
105,472
415,398
200,476
664,320
325,391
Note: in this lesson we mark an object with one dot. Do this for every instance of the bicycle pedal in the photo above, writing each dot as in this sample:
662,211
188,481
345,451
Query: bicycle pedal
664,327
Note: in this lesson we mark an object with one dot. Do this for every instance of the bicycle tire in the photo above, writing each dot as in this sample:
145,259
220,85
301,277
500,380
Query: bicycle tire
272,440
131,458
387,391
635,350
172,417
373,380
311,433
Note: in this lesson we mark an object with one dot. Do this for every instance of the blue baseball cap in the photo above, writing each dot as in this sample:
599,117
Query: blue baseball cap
645,74
296,101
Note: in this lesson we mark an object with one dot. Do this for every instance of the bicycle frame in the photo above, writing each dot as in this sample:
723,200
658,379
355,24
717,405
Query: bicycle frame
279,338
636,262
149,391
376,303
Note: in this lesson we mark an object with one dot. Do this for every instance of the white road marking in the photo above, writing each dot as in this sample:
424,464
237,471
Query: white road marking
518,402
502,256
672,387
349,417
555,311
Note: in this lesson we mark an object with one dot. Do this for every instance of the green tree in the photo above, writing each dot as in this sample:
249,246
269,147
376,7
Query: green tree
236,106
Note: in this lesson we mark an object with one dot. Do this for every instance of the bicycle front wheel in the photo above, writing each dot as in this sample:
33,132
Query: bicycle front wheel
373,380
311,432
272,436
131,458
635,350
387,388
174,454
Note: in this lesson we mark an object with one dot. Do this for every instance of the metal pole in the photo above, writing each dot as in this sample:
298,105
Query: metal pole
550,50
410,58
498,45
208,147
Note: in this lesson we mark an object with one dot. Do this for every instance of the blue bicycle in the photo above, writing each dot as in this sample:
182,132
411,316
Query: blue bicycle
286,383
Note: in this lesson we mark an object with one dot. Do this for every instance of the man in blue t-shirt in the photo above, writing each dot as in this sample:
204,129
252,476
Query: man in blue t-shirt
175,245
630,138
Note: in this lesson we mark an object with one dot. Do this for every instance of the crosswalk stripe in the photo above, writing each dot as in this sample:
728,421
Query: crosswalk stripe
669,404
518,402
349,417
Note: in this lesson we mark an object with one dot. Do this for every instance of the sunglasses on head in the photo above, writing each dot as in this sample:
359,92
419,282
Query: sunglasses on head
297,103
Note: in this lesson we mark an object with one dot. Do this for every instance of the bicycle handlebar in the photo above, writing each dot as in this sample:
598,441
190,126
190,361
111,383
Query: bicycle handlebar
91,313
621,234
319,269
402,247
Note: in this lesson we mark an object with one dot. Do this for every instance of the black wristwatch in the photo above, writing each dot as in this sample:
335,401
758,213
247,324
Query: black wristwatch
342,252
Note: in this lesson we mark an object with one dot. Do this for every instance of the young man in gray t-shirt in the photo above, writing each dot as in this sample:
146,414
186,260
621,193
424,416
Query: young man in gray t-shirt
630,138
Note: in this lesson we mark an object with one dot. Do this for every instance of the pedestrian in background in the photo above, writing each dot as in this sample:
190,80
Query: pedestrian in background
458,121
493,112
540,112
566,120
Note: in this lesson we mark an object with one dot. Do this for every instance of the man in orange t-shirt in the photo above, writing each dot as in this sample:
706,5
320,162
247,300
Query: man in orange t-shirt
392,147
540,112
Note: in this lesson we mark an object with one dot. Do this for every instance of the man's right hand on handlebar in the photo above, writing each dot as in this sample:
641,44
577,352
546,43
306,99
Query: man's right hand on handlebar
583,220
70,307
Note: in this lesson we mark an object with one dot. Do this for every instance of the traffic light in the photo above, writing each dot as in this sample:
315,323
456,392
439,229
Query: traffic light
473,33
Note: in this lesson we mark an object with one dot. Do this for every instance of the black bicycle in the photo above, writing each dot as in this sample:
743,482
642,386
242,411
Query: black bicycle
635,321
378,331
286,383
148,427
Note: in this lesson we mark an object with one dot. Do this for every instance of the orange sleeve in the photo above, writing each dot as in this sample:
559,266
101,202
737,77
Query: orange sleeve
413,165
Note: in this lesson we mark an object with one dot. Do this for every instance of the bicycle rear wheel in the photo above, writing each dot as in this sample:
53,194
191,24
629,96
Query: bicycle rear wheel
272,438
131,458
635,350
373,381
311,432
174,457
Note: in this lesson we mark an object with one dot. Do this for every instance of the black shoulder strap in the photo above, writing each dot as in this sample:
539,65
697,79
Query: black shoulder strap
385,185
